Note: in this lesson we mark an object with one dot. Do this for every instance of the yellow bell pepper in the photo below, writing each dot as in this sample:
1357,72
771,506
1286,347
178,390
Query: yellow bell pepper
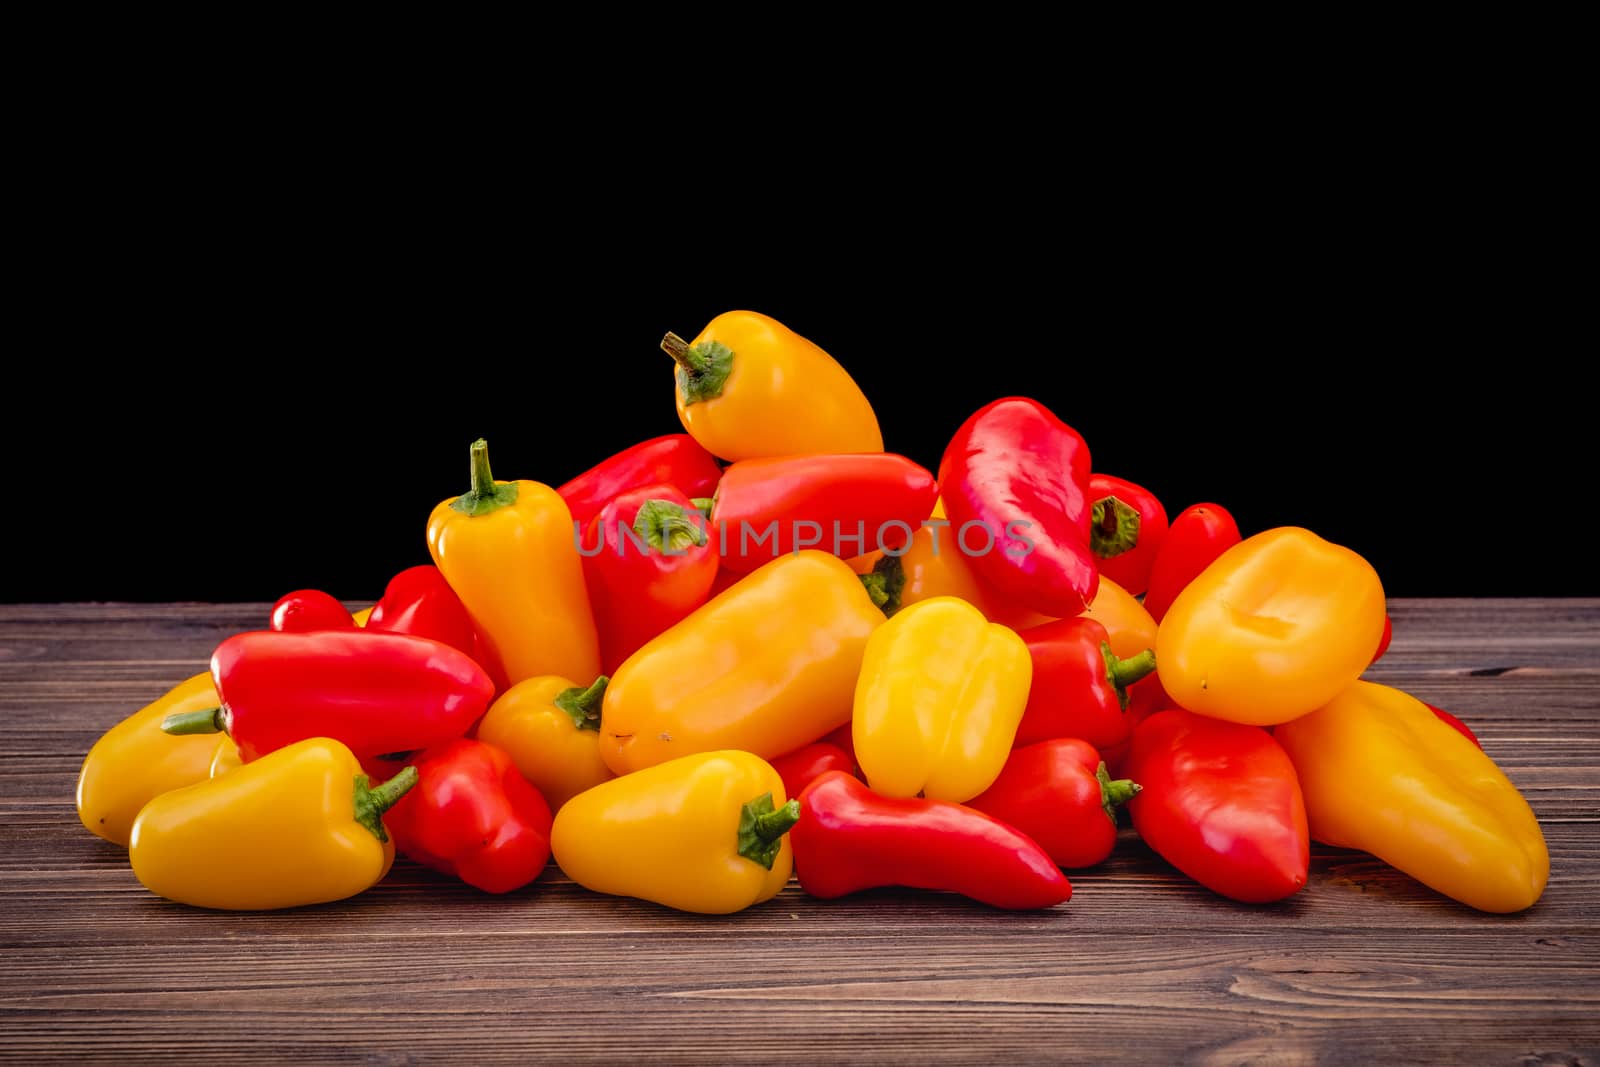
705,833
298,826
941,692
1380,772
134,761
766,666
933,565
1130,628
226,757
508,551
749,387
551,730
1274,628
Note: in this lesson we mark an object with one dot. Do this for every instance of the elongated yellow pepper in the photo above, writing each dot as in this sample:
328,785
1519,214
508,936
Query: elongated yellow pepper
941,692
1274,628
134,761
508,551
766,666
748,387
298,826
551,730
704,833
1381,773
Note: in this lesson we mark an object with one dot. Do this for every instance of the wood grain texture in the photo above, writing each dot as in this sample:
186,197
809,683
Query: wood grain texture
1363,966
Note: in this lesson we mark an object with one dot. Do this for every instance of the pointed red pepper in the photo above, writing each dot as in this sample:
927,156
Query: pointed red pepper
1059,793
471,814
1015,485
375,692
1199,534
1127,527
676,459
850,838
648,563
1080,689
1221,802
843,504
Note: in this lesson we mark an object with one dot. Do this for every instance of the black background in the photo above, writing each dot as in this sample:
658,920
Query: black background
231,399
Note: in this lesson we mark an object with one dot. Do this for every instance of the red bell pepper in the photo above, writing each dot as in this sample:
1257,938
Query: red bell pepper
844,504
803,766
1455,724
676,459
1079,688
1383,642
1199,534
375,692
648,562
471,814
1127,527
1015,485
310,609
420,602
850,838
1221,802
1058,793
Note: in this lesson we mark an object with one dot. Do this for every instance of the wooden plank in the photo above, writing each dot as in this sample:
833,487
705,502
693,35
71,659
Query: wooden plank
1363,966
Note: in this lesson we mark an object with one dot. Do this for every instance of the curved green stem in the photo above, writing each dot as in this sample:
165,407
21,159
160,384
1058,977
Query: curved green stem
583,704
372,801
668,528
1122,673
703,369
761,828
1114,793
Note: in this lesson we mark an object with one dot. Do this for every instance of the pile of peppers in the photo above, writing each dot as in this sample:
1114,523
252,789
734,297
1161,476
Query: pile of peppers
766,648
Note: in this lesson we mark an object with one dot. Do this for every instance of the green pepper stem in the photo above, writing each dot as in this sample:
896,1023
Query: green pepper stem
885,583
372,801
1114,528
484,496
761,828
774,824
583,704
1114,793
679,349
704,503
204,721
667,527
1124,672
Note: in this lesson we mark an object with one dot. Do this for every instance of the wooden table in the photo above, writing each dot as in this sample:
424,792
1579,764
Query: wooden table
1364,965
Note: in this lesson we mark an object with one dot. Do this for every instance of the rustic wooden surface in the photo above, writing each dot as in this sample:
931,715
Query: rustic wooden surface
1363,966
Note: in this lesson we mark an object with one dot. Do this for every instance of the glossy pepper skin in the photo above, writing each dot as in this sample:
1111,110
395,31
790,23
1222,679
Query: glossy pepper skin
1126,530
1199,534
937,705
704,833
675,459
550,727
309,609
1129,627
299,826
850,838
1023,474
1273,629
420,602
933,565
1220,802
374,692
652,563
135,761
1382,773
844,504
1060,794
748,387
472,815
803,766
765,667
1080,687
507,549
